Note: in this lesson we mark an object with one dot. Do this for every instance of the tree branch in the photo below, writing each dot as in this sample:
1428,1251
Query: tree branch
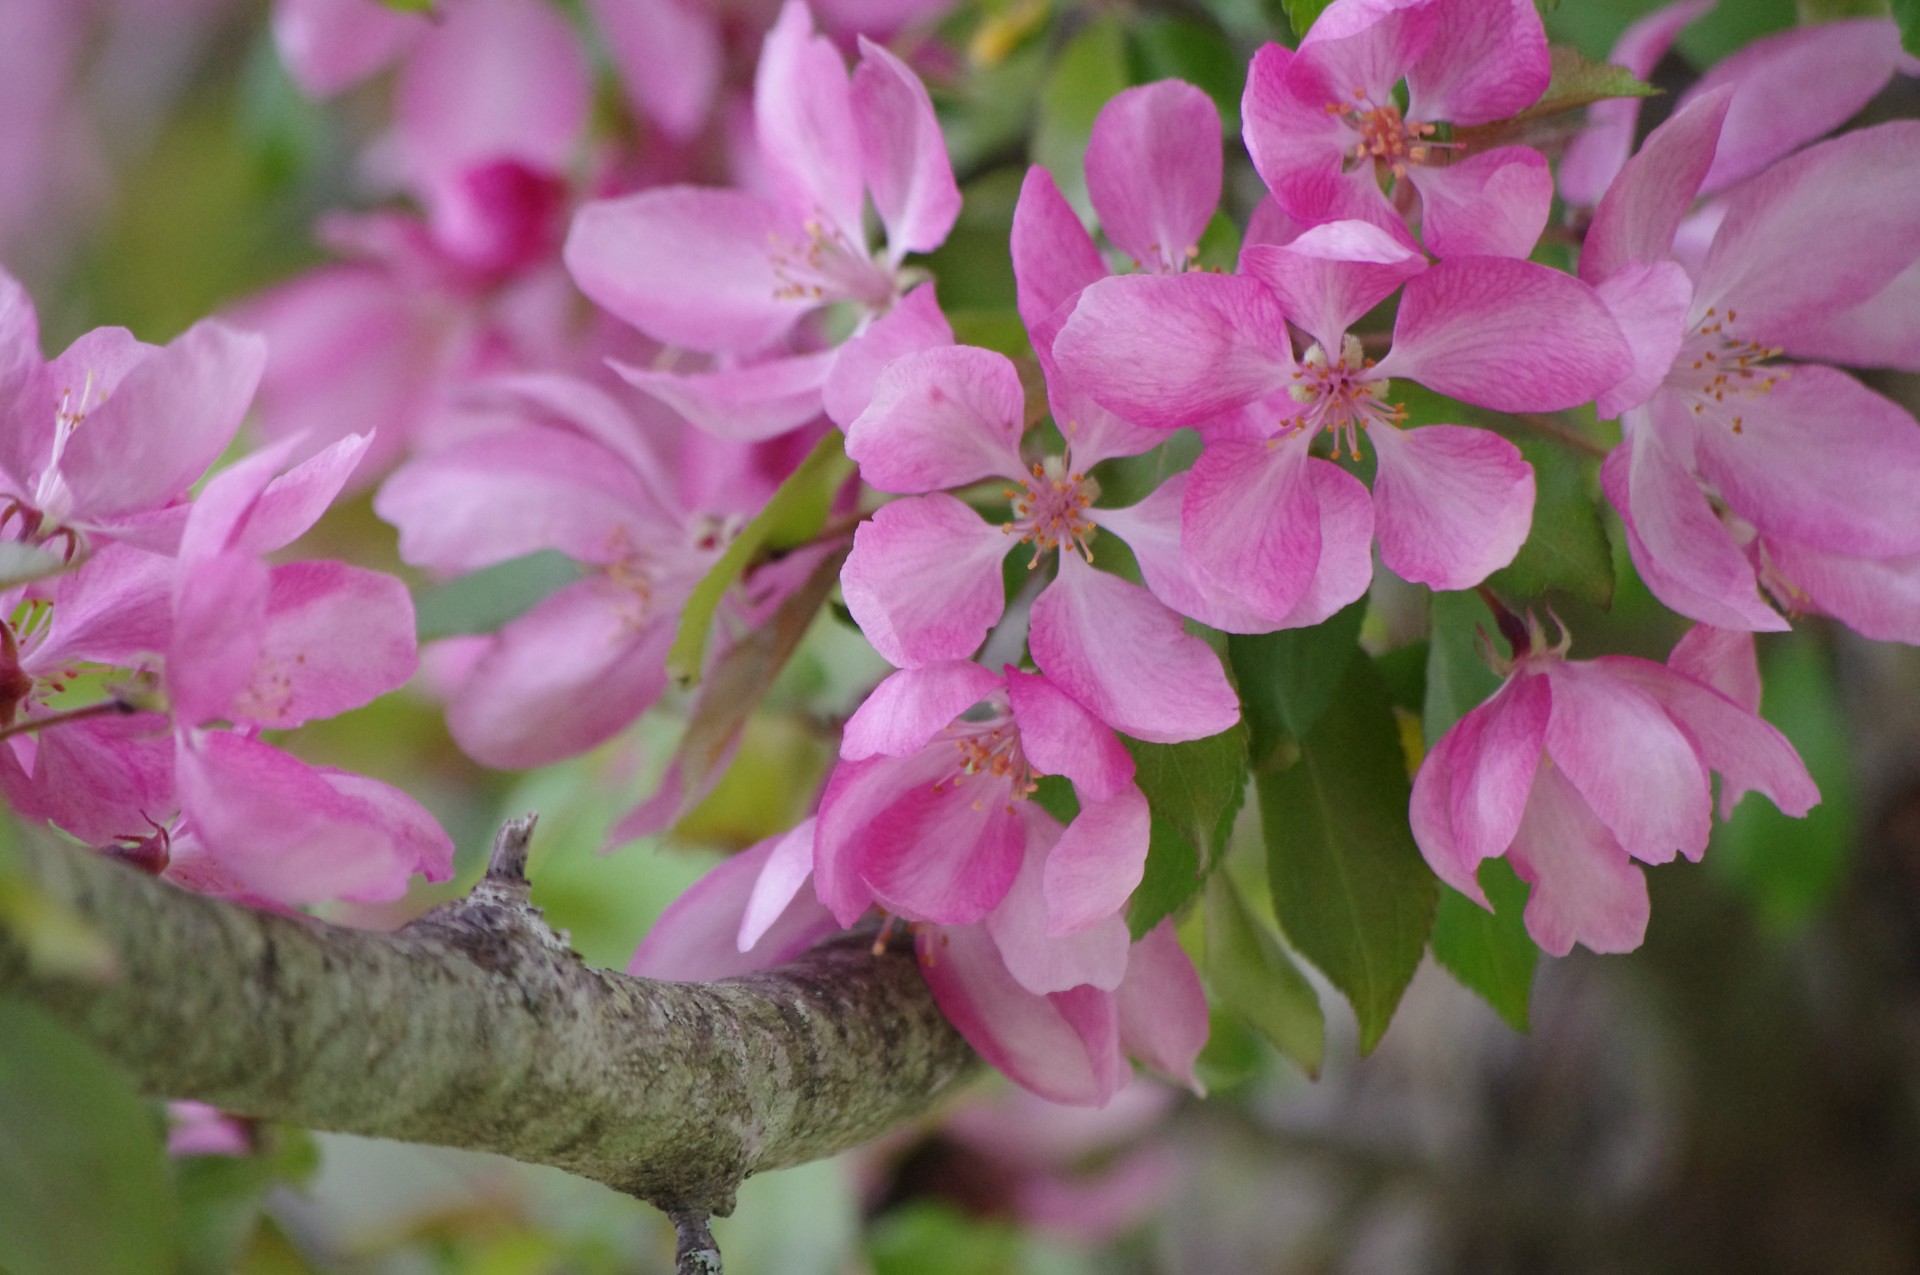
477,1026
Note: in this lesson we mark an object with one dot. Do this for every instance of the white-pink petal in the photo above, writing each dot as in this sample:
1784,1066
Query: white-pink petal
912,706
923,581
1451,504
941,418
1585,887
902,153
1153,171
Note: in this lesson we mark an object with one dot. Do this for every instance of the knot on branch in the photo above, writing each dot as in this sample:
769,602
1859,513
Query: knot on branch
497,924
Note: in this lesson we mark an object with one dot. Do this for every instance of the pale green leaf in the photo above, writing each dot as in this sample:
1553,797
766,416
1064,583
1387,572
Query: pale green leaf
1250,974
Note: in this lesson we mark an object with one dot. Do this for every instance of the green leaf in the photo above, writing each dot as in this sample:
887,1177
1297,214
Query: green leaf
1567,549
1458,678
1177,48
1301,14
1907,14
1790,868
927,1237
488,598
1489,952
410,6
1578,82
1089,71
796,511
1814,11
1194,790
83,1174
57,941
1251,974
1349,886
221,1195
1287,679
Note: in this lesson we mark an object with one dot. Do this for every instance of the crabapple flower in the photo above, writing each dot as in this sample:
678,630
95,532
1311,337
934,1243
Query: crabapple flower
924,578
1738,474
1576,769
1329,110
1450,504
103,441
926,813
574,474
730,273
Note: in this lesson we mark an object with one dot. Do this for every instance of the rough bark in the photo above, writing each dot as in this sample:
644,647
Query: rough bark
477,1026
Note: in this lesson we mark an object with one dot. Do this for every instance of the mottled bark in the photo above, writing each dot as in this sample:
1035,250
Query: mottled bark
477,1026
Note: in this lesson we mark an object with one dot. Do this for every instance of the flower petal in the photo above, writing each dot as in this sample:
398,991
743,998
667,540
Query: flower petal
912,706
1153,171
1108,644
1062,738
1043,958
335,638
941,418
747,404
914,323
1053,255
902,153
1585,888
923,581
1641,211
1163,1008
1251,525
1101,857
1451,505
803,115
1493,204
1332,274
1487,61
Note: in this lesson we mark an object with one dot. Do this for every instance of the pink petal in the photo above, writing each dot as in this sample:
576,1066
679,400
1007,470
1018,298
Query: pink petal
1250,525
1471,790
1041,958
219,610
1152,531
1108,644
1168,351
747,404
1345,568
1819,459
668,55
941,418
1100,859
1876,598
1794,86
944,851
1362,47
336,638
28,400
1723,659
1163,1008
1493,204
1595,156
493,80
1750,754
1585,888
330,44
1882,331
294,501
787,868
1505,334
696,938
1062,738
902,153
1487,61
505,495
1650,304
1053,255
167,420
803,114
1640,775
1642,210
1332,274
115,609
103,779
1064,1047
1776,259
1451,505
912,706
567,675
914,323
1153,171
1680,547
923,581
688,266
1286,133
300,834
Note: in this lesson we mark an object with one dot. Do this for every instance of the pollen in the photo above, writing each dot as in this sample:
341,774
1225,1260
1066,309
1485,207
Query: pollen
1340,396
1050,510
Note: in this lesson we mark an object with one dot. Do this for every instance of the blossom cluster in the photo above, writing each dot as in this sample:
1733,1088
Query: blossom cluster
621,350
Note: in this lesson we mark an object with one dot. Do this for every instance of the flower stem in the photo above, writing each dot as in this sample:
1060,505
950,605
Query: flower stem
105,708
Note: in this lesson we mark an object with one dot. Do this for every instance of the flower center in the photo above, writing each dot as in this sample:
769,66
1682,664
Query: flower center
1050,509
1341,396
827,266
1386,138
990,747
1716,370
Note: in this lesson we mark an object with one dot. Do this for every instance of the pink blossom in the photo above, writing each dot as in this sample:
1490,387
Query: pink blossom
1574,769
1736,471
731,273
928,814
924,578
1328,109
1261,516
575,474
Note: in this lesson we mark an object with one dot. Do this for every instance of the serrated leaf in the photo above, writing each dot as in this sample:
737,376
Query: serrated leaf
1578,82
1252,975
1458,678
1489,952
83,1174
1287,679
1194,790
1349,887
795,511
1567,548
